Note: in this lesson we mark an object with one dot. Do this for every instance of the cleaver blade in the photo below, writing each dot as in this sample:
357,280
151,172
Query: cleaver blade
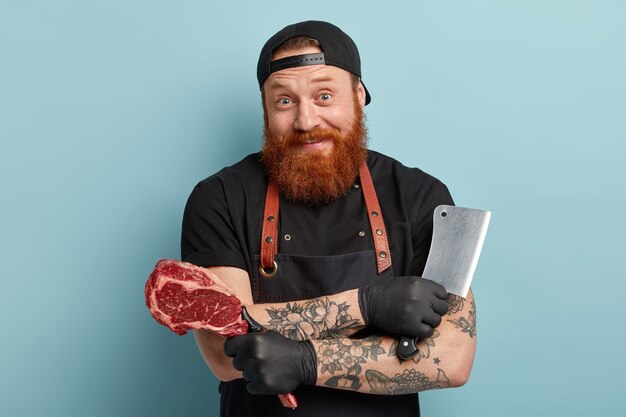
458,237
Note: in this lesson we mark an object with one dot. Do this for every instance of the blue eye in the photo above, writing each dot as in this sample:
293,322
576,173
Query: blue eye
284,101
325,97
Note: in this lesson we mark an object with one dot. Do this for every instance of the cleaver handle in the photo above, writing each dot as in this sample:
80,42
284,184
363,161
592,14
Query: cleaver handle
406,348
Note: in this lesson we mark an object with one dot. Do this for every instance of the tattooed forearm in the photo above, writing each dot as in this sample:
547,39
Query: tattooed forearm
343,359
455,304
423,347
467,324
320,318
407,382
366,365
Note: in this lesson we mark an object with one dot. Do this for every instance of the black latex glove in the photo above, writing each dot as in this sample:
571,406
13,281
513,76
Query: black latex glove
271,363
408,306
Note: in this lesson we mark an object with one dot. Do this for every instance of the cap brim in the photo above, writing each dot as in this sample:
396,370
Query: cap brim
368,98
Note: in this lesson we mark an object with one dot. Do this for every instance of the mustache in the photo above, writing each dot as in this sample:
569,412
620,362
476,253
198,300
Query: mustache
300,138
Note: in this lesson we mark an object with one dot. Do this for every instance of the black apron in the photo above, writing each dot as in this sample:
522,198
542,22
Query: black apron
301,277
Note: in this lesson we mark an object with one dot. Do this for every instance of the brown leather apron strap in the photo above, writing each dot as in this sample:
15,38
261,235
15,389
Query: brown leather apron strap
375,216
269,235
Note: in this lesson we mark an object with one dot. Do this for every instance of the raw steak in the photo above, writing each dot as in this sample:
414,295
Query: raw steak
182,296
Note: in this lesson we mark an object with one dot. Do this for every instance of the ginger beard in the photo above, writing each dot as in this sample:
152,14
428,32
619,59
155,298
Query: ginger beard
309,176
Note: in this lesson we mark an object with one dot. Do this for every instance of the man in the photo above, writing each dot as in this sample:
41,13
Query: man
324,241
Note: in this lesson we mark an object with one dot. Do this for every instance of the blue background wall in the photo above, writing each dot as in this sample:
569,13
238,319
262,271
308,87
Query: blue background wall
112,111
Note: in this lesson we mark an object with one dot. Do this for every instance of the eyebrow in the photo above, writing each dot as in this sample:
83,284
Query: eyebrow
278,84
322,79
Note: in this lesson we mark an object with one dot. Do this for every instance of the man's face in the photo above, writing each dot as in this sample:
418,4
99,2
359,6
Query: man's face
303,99
314,132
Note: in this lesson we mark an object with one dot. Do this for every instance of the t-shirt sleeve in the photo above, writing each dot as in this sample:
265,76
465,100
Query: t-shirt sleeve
208,237
422,227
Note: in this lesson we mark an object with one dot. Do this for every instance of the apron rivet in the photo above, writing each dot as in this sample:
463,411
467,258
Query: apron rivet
287,237
383,254
374,213
379,232
269,274
270,218
269,239
361,233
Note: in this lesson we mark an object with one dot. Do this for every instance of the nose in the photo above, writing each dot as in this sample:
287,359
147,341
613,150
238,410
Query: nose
307,118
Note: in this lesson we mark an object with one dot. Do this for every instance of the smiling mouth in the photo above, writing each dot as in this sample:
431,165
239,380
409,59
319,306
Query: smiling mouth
314,142
315,145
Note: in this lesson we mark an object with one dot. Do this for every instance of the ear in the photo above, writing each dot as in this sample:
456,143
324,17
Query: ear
360,93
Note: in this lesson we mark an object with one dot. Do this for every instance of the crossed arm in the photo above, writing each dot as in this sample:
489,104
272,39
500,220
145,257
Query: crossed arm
371,365
367,365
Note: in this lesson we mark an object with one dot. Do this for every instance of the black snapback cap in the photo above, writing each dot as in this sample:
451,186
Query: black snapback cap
338,50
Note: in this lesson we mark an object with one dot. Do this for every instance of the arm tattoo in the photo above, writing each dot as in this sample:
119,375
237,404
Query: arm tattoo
455,304
423,346
315,319
343,360
467,324
407,382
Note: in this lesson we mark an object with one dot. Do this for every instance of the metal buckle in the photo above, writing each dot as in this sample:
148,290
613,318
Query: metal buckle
270,274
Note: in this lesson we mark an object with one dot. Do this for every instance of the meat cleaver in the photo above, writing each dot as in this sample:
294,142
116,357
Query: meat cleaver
458,236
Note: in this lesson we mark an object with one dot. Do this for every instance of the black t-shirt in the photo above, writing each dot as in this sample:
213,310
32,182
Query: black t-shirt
223,218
